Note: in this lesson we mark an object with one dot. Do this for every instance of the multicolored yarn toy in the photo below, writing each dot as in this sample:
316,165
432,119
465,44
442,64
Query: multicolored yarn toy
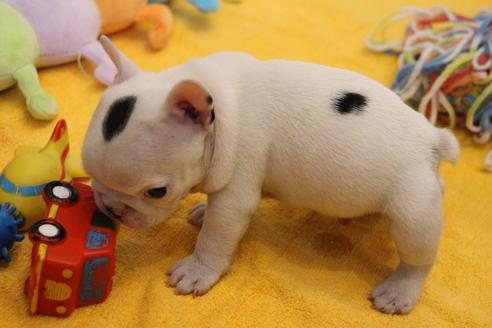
444,62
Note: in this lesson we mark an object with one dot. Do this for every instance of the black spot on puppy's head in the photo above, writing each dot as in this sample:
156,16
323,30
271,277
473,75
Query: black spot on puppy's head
350,102
117,117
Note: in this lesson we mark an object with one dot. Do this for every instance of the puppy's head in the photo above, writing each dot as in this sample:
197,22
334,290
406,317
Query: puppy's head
144,148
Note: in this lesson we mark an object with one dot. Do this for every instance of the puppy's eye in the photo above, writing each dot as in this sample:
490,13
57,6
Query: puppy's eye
156,192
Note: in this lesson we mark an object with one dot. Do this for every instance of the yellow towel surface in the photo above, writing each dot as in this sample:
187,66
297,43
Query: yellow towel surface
293,268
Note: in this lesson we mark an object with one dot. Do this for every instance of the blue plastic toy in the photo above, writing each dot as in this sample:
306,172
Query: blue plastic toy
205,6
8,230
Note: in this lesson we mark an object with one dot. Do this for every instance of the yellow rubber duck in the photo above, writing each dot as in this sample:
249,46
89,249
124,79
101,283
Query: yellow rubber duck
23,179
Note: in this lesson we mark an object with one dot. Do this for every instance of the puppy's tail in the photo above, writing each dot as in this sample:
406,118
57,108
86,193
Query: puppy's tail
448,147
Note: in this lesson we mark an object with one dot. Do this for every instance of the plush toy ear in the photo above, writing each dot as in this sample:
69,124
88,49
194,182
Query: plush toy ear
191,101
126,68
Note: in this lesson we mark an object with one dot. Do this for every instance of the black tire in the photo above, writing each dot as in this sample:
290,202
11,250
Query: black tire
47,231
61,192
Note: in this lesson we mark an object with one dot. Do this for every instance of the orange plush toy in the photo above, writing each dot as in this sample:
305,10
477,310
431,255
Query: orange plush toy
117,15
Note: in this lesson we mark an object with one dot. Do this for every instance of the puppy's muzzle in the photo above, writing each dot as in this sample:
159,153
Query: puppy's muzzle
109,210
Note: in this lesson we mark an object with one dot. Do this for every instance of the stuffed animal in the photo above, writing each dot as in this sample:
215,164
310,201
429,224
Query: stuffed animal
46,33
117,15
19,53
52,32
23,179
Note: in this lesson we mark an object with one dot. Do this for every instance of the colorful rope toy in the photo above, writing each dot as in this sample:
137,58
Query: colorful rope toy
444,62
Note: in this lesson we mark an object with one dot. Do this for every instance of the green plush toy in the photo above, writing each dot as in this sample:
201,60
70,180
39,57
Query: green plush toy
19,52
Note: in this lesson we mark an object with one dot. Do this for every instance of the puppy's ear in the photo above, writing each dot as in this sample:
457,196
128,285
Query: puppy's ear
125,68
191,101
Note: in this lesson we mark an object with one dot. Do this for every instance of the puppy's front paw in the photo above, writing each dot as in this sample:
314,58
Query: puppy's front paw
394,297
190,275
197,213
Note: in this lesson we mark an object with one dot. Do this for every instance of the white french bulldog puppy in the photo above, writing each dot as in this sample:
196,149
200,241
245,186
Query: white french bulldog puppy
234,127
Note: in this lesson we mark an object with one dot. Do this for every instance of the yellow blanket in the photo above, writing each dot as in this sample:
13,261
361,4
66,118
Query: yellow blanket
293,268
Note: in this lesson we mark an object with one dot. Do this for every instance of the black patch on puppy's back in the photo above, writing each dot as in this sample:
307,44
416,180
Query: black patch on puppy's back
350,102
117,117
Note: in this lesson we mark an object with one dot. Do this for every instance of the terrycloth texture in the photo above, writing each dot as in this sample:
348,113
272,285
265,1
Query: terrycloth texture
293,268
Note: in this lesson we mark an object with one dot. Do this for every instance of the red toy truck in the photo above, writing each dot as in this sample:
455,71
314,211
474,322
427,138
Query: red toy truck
73,252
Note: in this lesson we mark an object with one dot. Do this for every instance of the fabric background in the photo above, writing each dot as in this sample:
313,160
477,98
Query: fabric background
293,268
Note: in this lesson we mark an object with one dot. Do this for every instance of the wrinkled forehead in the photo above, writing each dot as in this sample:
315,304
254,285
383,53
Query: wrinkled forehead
146,92
142,152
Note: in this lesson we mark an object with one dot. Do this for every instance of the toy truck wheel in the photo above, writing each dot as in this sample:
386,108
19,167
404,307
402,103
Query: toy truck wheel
47,230
61,192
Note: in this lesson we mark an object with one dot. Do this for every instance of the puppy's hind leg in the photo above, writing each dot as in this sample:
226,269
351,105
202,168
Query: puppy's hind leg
415,213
